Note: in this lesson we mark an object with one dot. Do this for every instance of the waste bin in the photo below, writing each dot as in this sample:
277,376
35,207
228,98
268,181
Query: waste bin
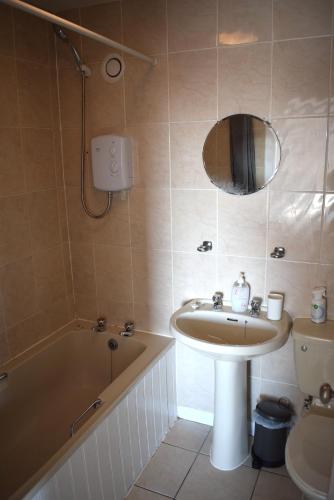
272,422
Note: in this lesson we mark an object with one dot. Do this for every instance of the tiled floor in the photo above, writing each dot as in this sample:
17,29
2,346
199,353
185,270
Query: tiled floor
181,469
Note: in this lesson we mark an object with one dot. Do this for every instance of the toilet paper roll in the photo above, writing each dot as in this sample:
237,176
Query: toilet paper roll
275,306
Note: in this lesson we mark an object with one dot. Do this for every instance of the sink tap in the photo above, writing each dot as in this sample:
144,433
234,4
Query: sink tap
217,300
255,306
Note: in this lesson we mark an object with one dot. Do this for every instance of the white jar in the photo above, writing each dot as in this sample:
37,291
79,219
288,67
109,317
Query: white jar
240,294
318,305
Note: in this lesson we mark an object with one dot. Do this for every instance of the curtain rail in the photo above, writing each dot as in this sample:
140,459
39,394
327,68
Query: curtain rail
52,18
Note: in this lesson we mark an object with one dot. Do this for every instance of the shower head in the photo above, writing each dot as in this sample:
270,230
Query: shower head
62,35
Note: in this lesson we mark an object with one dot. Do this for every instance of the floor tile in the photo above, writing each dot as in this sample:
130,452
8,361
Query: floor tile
188,435
141,494
275,487
281,471
205,450
167,470
205,482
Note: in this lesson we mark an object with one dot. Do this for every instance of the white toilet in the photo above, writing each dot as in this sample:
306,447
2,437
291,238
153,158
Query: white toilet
309,452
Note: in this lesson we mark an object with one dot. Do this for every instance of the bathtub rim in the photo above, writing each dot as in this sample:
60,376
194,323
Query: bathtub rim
156,346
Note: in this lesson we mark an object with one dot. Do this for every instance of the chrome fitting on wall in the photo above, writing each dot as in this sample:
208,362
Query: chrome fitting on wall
278,253
205,247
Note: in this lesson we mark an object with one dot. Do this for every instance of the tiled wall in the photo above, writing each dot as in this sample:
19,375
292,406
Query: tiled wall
141,261
35,284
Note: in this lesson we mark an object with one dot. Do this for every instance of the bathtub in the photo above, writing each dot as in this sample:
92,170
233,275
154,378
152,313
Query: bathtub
76,389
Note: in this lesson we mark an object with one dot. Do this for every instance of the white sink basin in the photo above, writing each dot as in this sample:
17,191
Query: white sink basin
230,339
222,334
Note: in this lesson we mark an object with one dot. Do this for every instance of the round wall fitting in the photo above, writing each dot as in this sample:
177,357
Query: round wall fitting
112,67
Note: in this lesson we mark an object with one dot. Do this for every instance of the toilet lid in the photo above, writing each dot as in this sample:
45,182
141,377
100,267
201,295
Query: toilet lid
310,452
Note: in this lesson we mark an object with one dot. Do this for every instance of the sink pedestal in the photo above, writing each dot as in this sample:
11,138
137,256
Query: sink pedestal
230,440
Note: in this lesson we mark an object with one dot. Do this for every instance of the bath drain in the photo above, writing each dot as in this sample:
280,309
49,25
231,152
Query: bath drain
113,344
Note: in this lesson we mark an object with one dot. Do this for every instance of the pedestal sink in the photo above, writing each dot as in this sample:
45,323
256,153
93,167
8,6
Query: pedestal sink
230,339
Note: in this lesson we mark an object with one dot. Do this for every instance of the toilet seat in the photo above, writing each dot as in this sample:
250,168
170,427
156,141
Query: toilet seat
309,453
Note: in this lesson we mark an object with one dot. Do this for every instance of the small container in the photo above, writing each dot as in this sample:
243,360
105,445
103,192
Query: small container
275,306
240,294
319,305
272,423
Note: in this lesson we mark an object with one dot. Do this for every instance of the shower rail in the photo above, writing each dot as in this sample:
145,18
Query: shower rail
52,18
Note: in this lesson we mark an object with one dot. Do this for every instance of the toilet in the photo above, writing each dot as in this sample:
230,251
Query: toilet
309,452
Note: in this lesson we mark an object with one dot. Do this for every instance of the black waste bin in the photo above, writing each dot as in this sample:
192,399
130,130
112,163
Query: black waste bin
272,422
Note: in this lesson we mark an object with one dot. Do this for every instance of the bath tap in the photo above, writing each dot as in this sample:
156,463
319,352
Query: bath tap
129,328
101,325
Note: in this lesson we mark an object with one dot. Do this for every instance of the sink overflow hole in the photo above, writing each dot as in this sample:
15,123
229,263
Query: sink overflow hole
232,319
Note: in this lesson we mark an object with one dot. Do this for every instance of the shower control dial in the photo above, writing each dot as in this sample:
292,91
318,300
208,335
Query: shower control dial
113,167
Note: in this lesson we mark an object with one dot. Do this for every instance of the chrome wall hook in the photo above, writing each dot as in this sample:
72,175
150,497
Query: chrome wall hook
205,247
278,253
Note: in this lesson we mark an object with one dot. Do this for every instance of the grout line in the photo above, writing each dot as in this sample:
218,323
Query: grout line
255,484
185,477
152,491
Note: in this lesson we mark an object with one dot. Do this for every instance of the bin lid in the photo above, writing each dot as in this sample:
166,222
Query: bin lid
276,411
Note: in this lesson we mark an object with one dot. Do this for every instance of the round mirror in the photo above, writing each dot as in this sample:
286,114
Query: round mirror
241,154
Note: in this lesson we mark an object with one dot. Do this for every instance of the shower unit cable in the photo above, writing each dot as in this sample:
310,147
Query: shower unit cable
84,73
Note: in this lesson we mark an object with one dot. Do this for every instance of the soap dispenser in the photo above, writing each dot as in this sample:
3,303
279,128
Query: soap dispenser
240,294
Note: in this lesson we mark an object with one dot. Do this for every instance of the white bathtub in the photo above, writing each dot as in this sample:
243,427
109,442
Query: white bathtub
51,385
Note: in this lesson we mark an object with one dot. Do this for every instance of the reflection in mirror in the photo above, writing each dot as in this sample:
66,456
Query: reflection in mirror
241,154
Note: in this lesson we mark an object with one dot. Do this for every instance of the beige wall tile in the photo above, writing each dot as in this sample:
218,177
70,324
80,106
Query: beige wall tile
25,333
34,95
83,268
280,365
43,211
31,38
189,284
105,19
145,25
330,158
193,79
49,273
4,348
327,252
229,268
116,312
6,31
295,280
11,165
15,239
192,24
68,270
194,215
104,100
57,314
295,224
113,273
71,138
244,80
19,291
79,223
70,97
303,149
39,158
146,94
151,153
242,224
152,277
62,214
298,18
153,318
85,306
150,216
300,77
8,92
112,229
187,141
242,21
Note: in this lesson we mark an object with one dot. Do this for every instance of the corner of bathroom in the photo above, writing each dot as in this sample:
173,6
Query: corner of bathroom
166,249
